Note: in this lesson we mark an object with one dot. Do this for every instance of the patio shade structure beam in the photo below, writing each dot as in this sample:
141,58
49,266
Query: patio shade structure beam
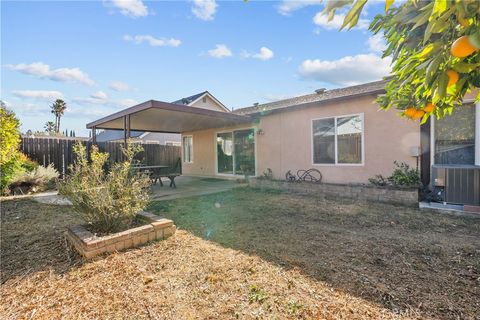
158,116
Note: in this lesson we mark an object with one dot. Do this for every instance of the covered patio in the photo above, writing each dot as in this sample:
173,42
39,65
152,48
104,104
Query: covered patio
164,117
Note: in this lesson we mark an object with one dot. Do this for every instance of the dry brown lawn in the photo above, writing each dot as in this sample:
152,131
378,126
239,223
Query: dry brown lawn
249,255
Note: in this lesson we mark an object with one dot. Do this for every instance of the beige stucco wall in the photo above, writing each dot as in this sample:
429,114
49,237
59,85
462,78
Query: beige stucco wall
286,142
209,104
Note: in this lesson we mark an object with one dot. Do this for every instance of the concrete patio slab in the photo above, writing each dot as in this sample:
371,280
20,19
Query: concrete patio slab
188,186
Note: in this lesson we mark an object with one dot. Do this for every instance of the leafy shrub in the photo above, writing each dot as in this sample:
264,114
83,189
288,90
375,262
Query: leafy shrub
39,179
108,201
405,176
402,176
9,144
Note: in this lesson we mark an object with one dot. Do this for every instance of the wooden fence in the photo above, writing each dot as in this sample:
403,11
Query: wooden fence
59,152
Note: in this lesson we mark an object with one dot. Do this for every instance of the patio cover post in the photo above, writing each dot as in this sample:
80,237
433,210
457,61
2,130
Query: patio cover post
126,128
94,135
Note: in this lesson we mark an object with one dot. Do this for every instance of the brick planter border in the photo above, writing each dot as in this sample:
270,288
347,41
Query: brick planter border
89,245
406,197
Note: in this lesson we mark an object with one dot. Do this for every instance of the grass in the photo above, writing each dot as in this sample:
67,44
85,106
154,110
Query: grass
409,261
250,255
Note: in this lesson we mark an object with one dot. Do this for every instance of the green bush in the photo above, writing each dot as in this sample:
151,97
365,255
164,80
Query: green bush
108,201
402,176
9,144
39,179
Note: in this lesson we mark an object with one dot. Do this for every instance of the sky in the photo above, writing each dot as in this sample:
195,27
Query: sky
103,56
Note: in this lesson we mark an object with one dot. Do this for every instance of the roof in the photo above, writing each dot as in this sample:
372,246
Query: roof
111,135
159,116
187,100
376,87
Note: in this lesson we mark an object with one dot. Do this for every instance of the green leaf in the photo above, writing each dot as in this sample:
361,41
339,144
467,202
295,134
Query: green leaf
353,15
442,85
464,67
439,7
388,3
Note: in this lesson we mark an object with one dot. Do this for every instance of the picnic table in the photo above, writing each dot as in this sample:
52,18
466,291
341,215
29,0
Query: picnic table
157,172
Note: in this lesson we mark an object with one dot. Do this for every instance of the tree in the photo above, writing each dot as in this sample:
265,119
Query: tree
50,127
9,134
435,51
58,109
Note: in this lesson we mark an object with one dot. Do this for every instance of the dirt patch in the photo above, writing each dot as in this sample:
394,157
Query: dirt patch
183,277
402,258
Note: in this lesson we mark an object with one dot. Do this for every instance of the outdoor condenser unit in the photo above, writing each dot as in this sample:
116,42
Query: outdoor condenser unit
461,183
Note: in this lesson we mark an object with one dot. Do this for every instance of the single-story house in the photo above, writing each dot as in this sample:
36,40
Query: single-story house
340,132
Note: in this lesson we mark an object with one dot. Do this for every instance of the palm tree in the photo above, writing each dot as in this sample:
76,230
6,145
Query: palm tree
58,108
49,126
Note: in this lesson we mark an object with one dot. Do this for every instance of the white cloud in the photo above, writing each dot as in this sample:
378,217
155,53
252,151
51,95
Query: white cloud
38,94
321,20
101,98
204,9
30,109
42,70
131,8
100,95
349,70
264,54
288,6
220,51
376,43
154,42
119,86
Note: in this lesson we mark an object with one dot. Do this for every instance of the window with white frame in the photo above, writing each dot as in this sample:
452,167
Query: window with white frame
338,140
454,137
187,142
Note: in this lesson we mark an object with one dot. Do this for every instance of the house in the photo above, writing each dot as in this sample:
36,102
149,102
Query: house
200,100
340,132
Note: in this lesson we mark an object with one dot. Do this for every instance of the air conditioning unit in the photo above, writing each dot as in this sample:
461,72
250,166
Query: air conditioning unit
461,184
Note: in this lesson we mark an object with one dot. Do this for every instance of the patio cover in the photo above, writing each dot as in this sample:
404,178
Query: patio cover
158,116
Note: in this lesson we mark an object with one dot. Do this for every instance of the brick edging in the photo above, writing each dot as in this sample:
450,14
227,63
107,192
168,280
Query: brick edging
89,245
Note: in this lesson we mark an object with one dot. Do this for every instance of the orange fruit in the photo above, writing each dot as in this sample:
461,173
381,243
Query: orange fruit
418,114
452,77
463,47
429,107
410,112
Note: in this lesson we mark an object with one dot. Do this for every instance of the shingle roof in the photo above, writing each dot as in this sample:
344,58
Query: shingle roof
328,95
187,100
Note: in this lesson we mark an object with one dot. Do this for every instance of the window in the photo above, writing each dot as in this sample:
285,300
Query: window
338,140
455,137
187,149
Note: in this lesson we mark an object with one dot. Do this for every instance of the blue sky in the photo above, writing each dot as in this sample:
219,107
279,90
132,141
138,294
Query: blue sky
103,56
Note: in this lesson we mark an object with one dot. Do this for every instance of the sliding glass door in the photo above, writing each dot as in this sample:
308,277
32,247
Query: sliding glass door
236,152
225,153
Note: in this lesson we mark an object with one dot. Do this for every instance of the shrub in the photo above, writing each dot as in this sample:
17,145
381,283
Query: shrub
108,201
9,144
39,179
402,176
